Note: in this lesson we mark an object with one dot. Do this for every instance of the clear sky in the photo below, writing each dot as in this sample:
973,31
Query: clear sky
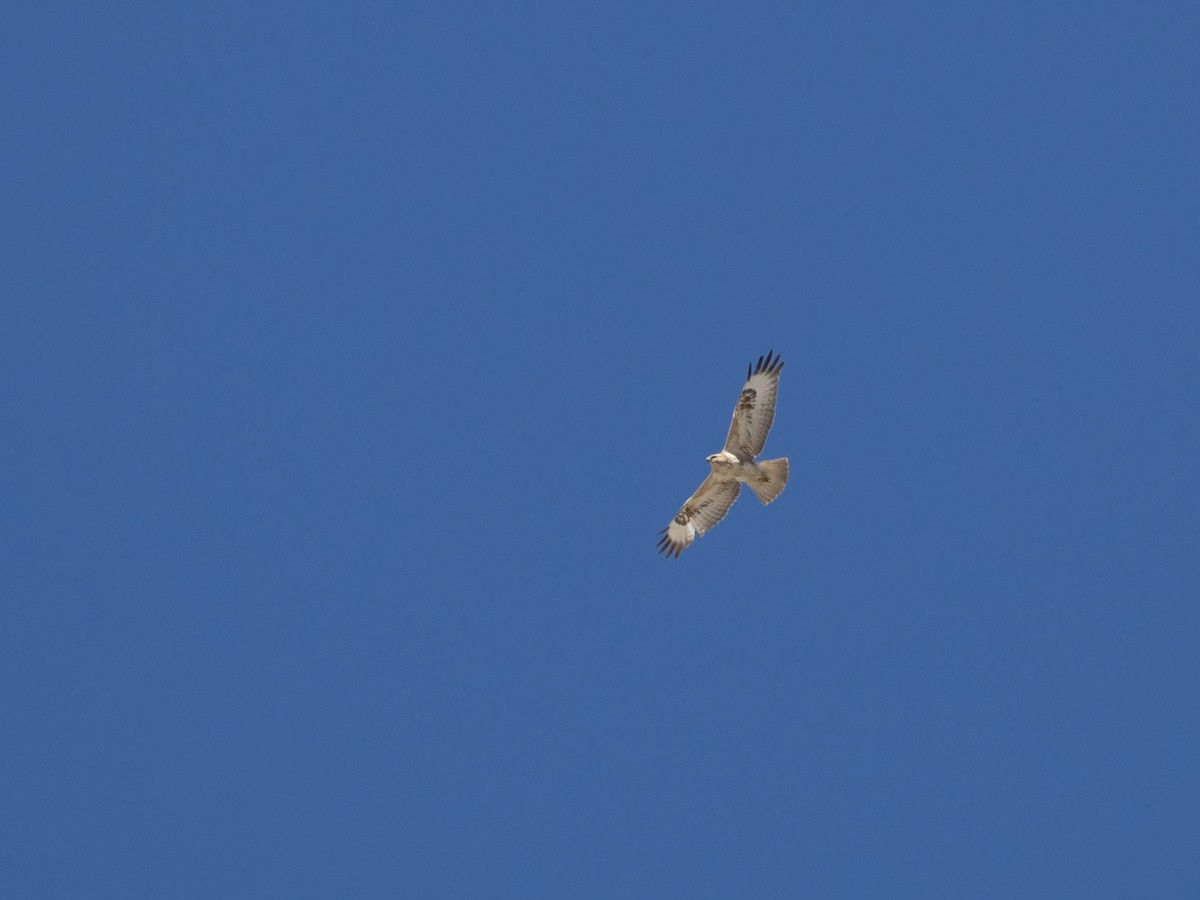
355,354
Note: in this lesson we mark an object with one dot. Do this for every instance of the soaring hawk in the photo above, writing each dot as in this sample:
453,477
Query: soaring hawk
752,418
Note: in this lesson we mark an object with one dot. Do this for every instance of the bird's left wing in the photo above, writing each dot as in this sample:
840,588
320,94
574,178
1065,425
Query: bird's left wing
702,511
755,410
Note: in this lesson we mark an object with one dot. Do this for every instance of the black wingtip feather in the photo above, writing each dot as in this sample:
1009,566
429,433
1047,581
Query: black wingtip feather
769,364
666,547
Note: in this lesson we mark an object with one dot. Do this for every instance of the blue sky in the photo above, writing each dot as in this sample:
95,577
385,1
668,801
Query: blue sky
355,354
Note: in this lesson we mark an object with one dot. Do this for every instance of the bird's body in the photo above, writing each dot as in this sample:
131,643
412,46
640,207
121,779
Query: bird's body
736,464
726,465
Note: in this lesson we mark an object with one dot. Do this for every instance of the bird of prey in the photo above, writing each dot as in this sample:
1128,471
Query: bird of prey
735,465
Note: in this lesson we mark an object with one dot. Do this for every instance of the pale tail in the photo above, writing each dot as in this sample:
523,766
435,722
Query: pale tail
775,476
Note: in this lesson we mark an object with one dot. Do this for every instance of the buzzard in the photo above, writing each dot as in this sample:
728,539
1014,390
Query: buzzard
752,418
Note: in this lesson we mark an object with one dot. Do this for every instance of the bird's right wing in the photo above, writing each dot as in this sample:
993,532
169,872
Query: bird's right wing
702,511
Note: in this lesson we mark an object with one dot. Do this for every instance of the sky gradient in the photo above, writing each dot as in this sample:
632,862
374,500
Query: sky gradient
355,355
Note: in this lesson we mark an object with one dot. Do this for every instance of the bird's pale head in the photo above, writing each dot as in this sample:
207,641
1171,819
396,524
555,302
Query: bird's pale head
722,459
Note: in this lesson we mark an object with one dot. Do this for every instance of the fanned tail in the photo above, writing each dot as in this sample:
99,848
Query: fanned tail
772,480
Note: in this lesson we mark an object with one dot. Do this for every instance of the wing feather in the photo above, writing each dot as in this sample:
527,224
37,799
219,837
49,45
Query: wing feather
755,410
702,511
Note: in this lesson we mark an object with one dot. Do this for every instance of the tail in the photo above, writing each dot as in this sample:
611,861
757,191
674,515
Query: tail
772,481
